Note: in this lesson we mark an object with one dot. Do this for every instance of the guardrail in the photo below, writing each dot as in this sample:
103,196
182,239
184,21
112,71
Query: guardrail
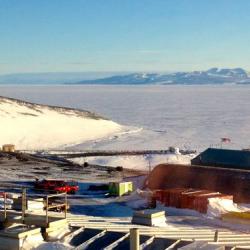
48,207
24,200
5,203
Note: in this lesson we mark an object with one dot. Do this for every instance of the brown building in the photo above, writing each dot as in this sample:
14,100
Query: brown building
234,182
8,148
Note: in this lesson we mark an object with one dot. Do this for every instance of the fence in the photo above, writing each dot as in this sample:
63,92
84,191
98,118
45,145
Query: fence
24,199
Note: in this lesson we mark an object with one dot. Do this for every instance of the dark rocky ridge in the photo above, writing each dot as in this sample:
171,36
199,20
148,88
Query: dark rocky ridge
63,110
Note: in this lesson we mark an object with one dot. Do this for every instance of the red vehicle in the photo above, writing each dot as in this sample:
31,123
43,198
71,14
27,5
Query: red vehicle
58,186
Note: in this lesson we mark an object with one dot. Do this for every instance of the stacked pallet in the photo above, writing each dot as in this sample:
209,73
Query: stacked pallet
149,217
6,200
188,198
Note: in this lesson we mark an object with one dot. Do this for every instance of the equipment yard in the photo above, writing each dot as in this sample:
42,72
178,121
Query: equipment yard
117,208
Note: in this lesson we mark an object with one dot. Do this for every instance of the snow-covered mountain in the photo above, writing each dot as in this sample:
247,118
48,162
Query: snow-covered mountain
35,126
211,76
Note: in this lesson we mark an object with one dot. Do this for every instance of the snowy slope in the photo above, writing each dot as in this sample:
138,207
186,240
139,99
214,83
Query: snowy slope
33,126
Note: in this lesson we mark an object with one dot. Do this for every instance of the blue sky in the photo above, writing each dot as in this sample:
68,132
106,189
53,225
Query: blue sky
123,35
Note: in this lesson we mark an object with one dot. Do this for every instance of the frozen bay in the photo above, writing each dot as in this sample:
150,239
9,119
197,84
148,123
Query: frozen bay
192,117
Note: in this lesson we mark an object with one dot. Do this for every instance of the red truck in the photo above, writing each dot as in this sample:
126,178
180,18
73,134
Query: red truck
58,186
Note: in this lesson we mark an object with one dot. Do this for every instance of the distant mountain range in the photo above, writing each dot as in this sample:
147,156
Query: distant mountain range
211,76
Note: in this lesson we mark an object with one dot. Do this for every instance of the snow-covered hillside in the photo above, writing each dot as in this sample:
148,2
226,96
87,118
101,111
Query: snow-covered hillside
33,126
211,76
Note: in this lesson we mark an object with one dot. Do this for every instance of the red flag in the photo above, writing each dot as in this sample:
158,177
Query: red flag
225,140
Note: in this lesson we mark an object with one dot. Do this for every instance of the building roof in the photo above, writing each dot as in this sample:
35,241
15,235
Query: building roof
226,158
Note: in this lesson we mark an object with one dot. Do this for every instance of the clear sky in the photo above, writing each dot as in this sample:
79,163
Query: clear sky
123,35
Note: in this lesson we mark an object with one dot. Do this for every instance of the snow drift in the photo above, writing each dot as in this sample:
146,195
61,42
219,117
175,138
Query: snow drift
136,162
218,206
35,126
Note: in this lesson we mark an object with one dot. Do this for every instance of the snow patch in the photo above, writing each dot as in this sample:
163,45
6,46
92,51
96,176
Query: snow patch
53,246
136,162
218,206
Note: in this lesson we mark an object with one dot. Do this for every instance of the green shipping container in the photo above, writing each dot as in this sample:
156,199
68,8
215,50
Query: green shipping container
120,188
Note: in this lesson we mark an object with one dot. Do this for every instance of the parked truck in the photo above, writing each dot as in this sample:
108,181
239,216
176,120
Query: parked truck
57,186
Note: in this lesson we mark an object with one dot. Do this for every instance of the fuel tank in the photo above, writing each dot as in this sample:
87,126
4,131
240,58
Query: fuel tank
228,181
